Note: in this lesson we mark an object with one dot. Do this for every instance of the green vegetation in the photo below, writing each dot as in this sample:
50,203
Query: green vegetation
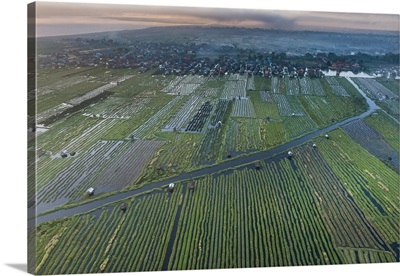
103,240
369,182
57,86
56,97
262,83
312,210
385,126
348,87
331,204
263,109
391,84
146,83
387,99
139,107
149,108
173,157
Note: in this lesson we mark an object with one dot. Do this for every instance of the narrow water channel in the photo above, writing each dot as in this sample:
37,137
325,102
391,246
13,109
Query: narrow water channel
173,233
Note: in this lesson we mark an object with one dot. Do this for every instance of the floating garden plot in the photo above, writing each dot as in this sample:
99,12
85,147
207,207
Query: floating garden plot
236,77
75,134
354,256
355,105
384,97
359,128
372,141
52,112
206,92
374,89
250,84
148,220
311,87
317,87
244,135
272,133
292,86
211,143
298,125
82,170
262,83
306,88
320,110
391,105
148,126
184,89
336,87
245,203
274,85
172,83
370,182
347,224
91,94
200,118
266,96
265,110
211,88
173,157
149,81
90,135
194,79
283,104
288,105
386,126
234,89
391,84
230,143
184,85
209,151
184,113
243,107
144,85
116,108
126,168
219,112
72,95
61,83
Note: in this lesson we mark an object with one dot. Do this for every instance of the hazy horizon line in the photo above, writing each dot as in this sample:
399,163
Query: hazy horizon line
347,31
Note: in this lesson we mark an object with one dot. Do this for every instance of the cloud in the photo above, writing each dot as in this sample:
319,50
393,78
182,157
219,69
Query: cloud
135,16
207,16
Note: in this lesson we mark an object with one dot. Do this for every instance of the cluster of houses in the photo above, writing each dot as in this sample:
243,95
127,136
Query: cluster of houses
144,55
174,58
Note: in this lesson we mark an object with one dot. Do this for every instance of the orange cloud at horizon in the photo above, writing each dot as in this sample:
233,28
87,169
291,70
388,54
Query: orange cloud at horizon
64,18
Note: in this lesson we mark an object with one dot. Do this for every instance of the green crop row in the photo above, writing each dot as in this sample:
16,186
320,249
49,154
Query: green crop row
349,228
110,240
251,218
386,126
392,84
359,172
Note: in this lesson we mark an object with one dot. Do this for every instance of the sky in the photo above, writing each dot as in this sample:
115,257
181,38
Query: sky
75,18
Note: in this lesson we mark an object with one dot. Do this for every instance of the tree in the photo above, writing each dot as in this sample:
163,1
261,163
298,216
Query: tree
332,56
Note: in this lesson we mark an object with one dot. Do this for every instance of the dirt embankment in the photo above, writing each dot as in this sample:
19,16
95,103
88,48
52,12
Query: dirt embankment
77,107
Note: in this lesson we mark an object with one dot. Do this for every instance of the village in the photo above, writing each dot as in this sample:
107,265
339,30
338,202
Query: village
185,59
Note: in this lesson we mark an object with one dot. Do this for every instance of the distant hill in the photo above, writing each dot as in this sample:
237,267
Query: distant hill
261,39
